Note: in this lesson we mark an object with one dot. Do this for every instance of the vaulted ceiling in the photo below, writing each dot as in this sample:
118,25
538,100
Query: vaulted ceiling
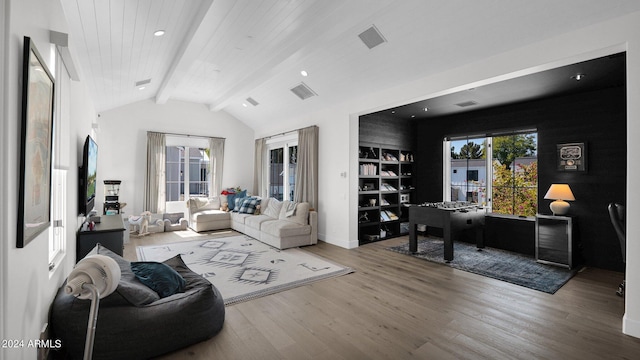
220,53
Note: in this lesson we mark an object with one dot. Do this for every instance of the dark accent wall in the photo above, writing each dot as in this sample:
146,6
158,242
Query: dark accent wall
383,130
597,118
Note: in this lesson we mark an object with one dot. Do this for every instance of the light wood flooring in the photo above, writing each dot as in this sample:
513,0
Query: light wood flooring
398,307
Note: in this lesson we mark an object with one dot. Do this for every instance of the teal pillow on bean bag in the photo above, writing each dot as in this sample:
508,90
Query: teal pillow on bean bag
159,277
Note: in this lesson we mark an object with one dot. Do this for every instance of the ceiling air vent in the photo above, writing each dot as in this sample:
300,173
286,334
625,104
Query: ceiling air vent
372,37
251,101
303,91
142,82
467,103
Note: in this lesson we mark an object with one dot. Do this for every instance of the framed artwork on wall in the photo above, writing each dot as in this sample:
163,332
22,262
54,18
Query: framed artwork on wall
572,157
34,198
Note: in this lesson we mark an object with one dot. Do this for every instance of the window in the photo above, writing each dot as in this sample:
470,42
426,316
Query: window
283,159
499,171
186,172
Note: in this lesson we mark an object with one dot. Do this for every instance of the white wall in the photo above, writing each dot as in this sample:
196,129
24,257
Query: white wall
339,128
122,145
28,288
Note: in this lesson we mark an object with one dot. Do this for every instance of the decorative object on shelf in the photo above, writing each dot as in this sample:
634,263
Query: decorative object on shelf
363,218
34,199
372,202
572,157
561,193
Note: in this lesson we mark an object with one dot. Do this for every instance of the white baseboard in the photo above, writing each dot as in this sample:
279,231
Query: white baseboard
630,327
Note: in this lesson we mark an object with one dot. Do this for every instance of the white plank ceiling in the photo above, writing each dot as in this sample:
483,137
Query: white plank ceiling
221,52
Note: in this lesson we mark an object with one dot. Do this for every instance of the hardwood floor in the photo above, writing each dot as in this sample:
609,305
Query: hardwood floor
398,307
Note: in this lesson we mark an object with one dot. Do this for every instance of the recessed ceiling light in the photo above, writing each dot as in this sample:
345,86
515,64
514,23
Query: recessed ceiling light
393,111
244,104
304,73
426,108
578,77
413,116
158,33
141,88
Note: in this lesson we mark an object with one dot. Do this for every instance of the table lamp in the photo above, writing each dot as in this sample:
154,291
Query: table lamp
561,193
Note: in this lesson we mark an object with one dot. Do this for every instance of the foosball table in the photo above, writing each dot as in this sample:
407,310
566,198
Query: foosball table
452,217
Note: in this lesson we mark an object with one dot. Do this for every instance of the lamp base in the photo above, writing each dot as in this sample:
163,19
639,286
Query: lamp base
559,207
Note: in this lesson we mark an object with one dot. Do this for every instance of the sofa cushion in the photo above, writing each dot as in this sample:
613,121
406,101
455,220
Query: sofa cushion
256,221
300,215
239,218
283,228
209,215
272,209
160,277
198,204
248,205
129,288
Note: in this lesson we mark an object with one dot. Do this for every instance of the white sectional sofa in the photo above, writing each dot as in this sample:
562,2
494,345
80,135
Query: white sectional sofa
279,224
205,214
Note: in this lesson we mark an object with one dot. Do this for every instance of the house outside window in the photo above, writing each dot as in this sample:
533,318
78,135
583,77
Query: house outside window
499,172
186,173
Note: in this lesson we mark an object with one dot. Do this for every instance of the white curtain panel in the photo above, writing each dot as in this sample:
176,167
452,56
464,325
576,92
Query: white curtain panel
259,173
307,169
155,185
216,151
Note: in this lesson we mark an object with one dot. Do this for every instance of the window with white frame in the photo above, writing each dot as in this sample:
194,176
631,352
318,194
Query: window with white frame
283,160
188,172
60,164
499,171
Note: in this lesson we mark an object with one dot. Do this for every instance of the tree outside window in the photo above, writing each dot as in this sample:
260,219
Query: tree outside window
515,175
509,184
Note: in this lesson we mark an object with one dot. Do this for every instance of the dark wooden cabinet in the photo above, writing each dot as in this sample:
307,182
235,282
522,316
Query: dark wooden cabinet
109,232
555,240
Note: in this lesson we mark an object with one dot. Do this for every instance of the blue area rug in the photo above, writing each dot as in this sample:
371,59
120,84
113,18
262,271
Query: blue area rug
494,263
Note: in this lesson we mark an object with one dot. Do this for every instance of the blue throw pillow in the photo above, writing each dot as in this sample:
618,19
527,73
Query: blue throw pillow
249,205
231,198
159,277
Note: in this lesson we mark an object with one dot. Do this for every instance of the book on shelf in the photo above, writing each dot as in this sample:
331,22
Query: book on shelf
387,173
387,215
368,169
389,157
391,215
387,187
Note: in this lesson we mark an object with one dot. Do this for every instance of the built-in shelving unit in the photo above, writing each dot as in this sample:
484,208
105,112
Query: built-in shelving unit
384,185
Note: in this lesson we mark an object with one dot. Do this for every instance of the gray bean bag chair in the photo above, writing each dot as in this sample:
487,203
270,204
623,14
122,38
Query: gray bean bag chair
134,322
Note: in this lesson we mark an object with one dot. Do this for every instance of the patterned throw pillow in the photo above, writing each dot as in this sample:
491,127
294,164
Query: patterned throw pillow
249,205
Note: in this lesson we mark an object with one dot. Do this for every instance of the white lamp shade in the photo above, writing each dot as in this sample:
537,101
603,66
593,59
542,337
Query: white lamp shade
559,192
101,271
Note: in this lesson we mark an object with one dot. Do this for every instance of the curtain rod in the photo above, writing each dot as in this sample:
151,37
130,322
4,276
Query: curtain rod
288,132
187,135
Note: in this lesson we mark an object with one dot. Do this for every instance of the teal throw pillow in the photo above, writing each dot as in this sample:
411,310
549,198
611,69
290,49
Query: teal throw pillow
159,277
231,198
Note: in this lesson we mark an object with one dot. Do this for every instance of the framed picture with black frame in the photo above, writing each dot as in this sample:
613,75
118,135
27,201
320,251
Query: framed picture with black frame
34,198
572,157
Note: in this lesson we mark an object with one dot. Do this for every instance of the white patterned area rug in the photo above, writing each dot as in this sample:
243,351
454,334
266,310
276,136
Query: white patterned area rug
243,268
